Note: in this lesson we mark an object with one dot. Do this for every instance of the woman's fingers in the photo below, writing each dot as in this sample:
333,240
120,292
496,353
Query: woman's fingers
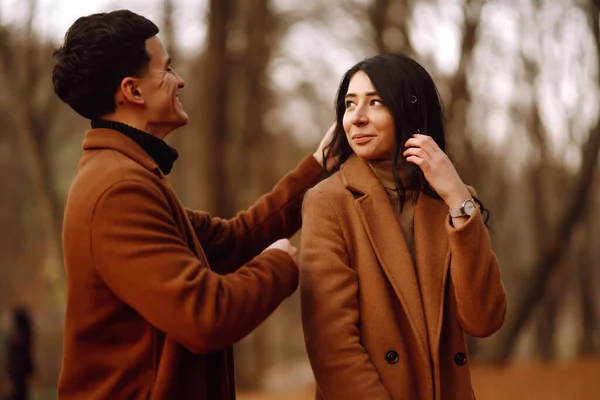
415,151
418,161
425,142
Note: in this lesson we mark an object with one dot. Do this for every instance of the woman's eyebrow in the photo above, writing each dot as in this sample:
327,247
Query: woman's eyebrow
368,94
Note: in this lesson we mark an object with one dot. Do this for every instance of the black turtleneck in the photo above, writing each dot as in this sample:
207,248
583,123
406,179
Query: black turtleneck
162,154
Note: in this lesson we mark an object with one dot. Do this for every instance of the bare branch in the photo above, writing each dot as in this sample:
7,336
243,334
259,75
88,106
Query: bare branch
573,211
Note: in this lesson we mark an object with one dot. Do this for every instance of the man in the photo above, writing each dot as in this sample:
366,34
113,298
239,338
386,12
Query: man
157,294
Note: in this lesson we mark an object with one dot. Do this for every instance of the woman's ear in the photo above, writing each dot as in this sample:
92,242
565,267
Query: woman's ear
131,91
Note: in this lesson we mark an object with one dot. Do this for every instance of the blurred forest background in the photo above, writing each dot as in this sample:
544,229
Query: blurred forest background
521,86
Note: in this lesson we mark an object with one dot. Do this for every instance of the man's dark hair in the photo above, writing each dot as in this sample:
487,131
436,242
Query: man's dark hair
99,51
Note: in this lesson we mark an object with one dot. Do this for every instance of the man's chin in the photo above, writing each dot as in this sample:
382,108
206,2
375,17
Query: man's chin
183,120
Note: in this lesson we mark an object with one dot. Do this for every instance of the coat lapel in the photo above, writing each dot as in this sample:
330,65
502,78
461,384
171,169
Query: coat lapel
382,227
431,254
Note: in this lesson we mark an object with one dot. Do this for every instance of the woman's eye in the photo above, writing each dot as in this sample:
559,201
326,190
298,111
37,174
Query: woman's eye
349,104
376,102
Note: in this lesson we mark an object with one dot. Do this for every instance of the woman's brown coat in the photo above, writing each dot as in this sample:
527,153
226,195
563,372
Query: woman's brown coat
376,327
148,318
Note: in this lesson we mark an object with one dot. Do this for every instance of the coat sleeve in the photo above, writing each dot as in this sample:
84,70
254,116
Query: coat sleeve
475,274
230,243
138,252
330,313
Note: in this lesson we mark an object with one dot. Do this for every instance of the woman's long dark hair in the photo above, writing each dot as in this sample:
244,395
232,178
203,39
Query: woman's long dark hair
408,91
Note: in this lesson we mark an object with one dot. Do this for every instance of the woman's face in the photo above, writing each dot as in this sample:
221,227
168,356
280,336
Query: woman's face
368,123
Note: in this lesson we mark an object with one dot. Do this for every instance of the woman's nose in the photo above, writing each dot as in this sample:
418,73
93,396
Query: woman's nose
360,117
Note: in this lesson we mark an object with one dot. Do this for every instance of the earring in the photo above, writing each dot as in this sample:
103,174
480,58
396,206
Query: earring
413,99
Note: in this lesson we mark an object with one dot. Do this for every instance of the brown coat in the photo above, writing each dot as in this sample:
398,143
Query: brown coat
375,326
147,317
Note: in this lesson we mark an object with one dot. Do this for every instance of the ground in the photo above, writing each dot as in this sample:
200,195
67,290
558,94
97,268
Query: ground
524,380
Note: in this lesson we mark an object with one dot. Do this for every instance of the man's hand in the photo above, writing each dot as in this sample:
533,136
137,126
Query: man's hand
285,245
318,154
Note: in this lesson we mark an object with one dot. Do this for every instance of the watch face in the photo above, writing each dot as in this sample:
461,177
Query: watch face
469,207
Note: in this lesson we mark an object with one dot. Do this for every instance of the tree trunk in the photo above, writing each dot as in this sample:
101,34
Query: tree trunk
560,240
460,147
216,100
586,277
380,16
175,139
557,247
255,174
32,126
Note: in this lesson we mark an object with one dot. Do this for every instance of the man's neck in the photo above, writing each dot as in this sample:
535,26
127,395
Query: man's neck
137,122
163,154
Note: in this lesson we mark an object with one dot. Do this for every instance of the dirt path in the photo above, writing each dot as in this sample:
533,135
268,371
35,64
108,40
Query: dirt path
526,380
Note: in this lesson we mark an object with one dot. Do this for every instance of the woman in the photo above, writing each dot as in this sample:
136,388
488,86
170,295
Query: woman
396,260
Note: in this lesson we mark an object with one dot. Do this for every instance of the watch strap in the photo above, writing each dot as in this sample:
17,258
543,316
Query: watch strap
460,212
457,212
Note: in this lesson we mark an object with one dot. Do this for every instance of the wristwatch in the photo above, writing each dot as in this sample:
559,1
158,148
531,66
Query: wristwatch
466,209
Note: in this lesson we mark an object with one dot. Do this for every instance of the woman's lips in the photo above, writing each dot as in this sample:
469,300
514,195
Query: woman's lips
362,139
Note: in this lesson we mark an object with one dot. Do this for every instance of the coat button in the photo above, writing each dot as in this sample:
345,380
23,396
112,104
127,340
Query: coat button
392,357
460,359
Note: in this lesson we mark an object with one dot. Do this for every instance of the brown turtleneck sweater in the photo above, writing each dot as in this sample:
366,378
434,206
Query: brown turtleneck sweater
405,215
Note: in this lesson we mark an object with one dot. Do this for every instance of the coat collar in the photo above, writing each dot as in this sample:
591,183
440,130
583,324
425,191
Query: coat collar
357,176
420,290
163,154
101,138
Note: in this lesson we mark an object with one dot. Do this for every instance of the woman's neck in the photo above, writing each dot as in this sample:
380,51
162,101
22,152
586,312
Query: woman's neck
383,171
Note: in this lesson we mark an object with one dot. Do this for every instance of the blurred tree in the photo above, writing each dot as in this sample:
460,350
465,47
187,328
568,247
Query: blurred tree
252,174
587,279
560,239
471,165
215,89
390,20
177,139
34,109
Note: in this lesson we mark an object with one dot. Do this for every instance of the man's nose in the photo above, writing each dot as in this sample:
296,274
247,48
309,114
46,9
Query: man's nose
180,81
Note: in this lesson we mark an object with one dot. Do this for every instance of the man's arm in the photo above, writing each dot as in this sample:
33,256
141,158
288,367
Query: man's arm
139,253
228,244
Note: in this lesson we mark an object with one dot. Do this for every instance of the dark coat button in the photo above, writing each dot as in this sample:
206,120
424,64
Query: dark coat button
460,359
392,357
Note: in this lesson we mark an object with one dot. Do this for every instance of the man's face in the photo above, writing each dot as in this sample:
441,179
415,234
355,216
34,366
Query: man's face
160,89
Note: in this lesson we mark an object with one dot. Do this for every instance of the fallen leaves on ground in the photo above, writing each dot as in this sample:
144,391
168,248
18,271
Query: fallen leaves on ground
524,380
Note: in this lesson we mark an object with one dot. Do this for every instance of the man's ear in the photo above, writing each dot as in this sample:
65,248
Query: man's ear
131,91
